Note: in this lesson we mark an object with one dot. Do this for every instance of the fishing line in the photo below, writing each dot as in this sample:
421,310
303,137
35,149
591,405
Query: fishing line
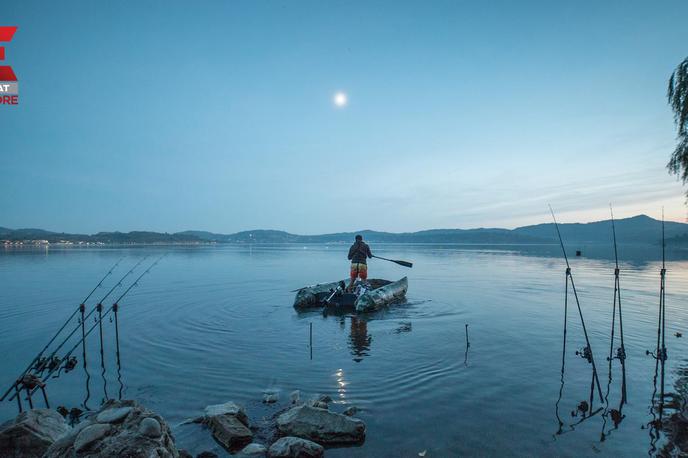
115,310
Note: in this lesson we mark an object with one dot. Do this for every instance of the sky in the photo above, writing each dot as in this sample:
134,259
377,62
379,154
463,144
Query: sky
220,115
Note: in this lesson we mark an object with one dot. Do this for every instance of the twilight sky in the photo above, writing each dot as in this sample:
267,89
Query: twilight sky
219,116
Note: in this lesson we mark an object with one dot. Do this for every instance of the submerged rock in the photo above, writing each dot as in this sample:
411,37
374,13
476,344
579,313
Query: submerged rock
31,433
270,397
295,397
295,447
351,411
207,455
121,428
230,431
321,426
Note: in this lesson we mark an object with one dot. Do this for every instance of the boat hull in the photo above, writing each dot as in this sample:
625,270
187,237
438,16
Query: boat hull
380,297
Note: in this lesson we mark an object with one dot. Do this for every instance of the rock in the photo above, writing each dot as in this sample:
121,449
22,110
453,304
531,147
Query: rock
295,397
184,454
206,455
270,397
113,415
253,450
150,427
228,408
136,433
295,447
230,431
325,398
321,426
31,433
90,434
351,411
319,405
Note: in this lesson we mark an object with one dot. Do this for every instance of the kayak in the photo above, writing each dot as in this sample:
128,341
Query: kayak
371,295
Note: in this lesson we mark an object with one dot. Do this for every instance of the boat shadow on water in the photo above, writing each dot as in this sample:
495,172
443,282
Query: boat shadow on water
359,338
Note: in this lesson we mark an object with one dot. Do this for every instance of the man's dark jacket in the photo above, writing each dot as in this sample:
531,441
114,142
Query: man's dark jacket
359,252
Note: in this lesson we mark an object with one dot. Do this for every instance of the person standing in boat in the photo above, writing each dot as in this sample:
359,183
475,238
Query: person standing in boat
358,255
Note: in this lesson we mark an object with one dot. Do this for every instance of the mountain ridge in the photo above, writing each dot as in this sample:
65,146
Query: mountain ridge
639,229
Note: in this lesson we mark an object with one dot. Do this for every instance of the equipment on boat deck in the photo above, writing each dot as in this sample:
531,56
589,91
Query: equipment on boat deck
367,296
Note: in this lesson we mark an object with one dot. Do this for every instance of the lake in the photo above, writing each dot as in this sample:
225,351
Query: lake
215,323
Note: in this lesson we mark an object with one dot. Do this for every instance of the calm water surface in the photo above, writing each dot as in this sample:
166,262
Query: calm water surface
213,324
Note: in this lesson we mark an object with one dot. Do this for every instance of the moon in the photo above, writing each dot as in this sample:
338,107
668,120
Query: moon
340,99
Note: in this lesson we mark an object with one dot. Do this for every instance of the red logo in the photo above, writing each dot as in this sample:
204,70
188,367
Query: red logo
9,86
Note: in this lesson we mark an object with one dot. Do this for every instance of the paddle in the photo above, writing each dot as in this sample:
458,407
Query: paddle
401,263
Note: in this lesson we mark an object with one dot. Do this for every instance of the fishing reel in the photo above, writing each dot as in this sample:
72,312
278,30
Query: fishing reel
582,408
68,366
660,354
41,365
54,363
616,416
585,353
620,355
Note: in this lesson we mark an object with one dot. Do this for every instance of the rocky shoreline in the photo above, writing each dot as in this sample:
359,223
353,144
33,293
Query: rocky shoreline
128,429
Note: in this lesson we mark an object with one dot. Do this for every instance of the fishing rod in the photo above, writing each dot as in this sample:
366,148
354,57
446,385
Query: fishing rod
660,353
616,414
621,351
663,294
587,351
93,310
94,325
52,362
59,331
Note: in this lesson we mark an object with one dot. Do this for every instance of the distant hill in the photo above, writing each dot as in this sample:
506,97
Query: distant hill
639,229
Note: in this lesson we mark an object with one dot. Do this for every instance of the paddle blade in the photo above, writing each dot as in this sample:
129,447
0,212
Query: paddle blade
404,263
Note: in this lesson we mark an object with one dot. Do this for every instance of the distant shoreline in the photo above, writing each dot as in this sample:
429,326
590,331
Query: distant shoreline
639,229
